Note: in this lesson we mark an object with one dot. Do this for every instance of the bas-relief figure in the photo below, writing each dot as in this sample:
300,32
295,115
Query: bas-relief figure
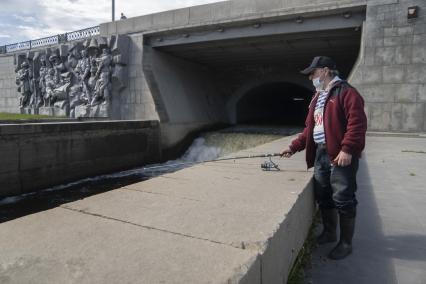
23,80
77,84
102,87
42,76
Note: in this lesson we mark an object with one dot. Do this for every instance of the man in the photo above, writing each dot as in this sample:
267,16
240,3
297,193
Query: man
334,138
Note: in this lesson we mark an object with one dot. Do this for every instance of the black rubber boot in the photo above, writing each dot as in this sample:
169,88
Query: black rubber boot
344,247
329,221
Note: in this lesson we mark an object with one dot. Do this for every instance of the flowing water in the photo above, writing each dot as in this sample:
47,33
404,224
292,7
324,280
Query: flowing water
209,146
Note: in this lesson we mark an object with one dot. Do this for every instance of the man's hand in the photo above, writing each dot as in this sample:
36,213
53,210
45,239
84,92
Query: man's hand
343,159
287,153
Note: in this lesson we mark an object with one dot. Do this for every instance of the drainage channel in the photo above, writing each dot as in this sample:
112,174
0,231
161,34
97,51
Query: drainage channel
208,146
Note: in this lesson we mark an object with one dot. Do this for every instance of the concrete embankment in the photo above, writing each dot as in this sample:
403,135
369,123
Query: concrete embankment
221,222
38,155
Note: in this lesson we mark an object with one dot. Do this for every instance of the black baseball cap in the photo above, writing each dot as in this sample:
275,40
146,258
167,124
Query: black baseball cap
319,62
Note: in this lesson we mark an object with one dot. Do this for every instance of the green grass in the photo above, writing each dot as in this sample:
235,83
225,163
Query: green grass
297,272
18,116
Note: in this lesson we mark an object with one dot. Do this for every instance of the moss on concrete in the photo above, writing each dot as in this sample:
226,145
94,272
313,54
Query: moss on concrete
303,260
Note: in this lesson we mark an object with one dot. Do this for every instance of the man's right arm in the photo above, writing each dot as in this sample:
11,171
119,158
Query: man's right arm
299,144
296,145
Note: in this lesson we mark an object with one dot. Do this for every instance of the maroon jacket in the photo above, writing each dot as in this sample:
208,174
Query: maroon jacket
345,124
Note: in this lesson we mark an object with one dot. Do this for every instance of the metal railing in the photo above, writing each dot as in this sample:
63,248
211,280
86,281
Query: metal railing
18,46
51,40
81,34
44,41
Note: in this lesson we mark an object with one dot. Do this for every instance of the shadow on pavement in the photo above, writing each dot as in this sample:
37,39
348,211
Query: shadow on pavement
370,261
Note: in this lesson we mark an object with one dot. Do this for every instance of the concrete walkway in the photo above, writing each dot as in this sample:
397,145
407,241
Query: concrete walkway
390,236
222,222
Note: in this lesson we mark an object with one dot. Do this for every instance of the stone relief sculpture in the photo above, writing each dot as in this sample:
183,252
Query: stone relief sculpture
74,81
23,80
42,76
102,87
50,84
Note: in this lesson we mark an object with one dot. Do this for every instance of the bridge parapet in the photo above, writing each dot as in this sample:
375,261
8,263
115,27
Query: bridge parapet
50,40
225,13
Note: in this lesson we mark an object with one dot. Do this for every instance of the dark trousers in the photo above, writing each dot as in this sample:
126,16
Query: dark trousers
335,186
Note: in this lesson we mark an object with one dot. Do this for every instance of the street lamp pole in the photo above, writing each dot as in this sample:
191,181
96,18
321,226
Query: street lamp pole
113,10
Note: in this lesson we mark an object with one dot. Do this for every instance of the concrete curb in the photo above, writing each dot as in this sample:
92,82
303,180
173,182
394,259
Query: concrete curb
221,222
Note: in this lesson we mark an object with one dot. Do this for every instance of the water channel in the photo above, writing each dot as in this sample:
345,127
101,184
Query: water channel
208,146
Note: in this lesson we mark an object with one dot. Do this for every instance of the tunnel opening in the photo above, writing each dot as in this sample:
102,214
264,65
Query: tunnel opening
250,74
277,103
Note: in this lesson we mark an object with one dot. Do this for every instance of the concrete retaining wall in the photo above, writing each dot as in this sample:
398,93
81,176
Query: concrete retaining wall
135,101
188,92
391,74
9,96
284,247
39,155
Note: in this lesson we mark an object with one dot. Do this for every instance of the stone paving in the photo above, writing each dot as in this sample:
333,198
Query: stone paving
390,236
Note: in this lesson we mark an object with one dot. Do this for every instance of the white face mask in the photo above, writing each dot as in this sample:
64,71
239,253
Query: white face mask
318,84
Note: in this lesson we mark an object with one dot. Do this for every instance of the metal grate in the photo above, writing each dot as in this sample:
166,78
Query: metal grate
81,34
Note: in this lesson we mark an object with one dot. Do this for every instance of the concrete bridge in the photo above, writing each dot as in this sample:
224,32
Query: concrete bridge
238,61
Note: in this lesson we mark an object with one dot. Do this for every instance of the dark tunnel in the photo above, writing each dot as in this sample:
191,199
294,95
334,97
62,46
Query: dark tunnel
278,103
233,64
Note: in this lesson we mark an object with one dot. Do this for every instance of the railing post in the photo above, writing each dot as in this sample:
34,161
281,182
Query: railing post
61,38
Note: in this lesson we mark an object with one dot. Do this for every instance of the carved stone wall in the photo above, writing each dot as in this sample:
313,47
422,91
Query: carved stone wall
73,80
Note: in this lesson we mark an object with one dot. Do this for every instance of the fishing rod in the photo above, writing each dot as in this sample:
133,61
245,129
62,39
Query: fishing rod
266,166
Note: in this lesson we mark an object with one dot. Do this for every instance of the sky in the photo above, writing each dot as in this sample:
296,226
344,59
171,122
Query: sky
22,20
